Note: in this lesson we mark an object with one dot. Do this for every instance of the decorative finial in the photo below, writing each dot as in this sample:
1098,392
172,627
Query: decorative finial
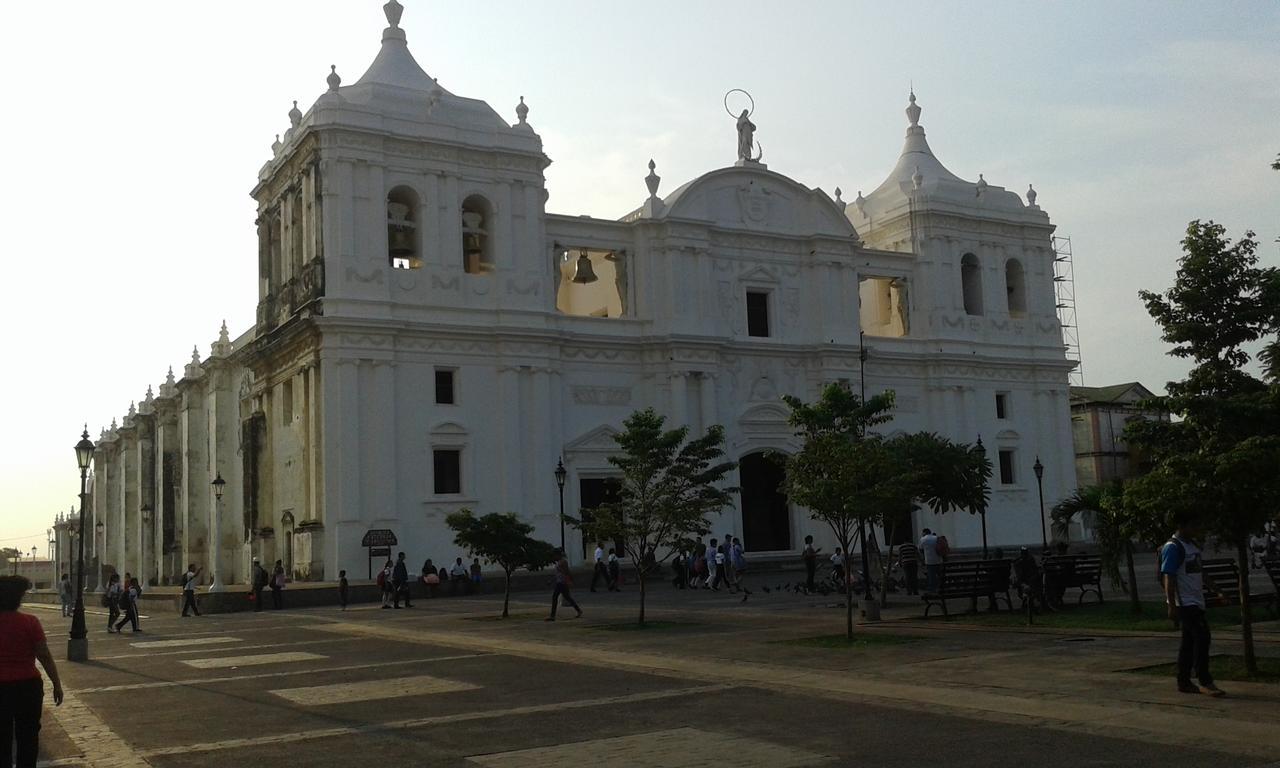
522,111
222,347
148,402
333,79
168,379
913,110
195,355
114,426
1031,196
860,202
193,369
276,145
652,180
917,178
295,115
839,202
169,388
981,186
133,410
223,336
393,10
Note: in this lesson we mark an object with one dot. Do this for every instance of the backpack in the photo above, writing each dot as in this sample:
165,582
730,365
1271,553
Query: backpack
942,547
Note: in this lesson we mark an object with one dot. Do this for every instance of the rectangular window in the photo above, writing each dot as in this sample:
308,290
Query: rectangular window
444,387
757,313
448,470
286,403
1002,405
1006,468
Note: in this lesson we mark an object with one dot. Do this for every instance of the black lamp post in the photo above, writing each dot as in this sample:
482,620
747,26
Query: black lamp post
1039,470
99,544
561,474
215,534
145,511
78,644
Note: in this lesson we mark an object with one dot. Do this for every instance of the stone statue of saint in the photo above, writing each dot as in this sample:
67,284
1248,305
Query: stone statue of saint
746,136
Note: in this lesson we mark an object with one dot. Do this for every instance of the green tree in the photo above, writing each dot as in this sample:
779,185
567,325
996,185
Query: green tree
851,478
501,539
1216,461
669,485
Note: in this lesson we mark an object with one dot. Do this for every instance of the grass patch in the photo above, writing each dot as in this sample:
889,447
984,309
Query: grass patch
1224,667
1111,616
860,640
648,626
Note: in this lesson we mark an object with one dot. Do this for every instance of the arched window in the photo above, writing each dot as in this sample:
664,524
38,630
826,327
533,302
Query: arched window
477,243
1015,285
402,229
971,282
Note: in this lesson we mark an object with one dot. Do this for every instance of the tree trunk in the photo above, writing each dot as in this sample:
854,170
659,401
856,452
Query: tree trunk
506,592
1246,614
642,594
887,568
1134,603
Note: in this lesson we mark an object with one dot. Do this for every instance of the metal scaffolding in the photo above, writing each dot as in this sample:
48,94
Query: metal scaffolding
1064,286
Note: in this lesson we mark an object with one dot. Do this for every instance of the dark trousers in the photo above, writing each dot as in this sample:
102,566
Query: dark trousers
257,598
130,617
401,590
563,590
189,602
615,576
722,577
912,572
20,719
933,577
601,572
113,613
810,571
277,598
1193,651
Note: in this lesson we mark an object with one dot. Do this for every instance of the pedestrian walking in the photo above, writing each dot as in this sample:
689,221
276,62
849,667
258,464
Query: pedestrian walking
932,561
615,571
277,585
189,589
810,558
343,588
721,559
600,571
259,583
837,570
386,584
680,570
111,599
400,582
909,562
563,585
22,642
129,604
1181,569
65,594
477,575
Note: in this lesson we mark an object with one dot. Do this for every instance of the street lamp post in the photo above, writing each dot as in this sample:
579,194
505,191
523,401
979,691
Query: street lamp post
1039,470
78,644
561,474
99,544
142,548
215,585
982,510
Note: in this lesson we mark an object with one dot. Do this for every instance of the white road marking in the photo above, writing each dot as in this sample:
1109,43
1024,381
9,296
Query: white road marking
252,660
196,681
370,690
657,749
461,717
290,644
186,641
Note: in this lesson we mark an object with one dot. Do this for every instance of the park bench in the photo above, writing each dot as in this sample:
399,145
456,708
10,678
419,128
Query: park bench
969,580
1222,585
1083,572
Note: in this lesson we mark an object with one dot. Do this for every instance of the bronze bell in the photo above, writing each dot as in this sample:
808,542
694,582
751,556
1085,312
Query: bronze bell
401,243
584,273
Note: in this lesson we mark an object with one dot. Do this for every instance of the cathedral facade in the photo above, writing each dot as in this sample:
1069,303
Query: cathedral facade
428,337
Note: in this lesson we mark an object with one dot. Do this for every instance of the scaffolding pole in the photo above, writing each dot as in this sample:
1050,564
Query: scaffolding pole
1064,288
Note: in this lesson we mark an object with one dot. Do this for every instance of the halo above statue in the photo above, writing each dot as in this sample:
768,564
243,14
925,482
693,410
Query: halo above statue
750,111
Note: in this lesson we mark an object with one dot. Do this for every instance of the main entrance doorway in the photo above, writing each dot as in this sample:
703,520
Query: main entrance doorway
766,516
592,492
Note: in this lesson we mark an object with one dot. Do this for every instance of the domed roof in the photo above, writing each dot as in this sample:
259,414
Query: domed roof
394,64
919,176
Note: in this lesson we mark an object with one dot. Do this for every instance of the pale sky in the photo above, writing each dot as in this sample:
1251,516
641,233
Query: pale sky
134,131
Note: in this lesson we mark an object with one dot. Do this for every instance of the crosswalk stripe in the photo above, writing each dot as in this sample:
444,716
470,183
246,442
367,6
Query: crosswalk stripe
252,660
186,641
369,690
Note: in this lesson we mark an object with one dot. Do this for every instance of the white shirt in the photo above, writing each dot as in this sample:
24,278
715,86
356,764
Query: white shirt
929,546
1189,576
837,559
599,554
189,581
458,570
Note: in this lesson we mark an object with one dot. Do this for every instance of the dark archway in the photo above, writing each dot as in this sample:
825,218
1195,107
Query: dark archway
766,517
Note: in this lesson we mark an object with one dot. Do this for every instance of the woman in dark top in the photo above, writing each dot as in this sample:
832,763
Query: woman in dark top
21,688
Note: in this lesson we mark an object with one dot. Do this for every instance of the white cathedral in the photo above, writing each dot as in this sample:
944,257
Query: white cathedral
429,338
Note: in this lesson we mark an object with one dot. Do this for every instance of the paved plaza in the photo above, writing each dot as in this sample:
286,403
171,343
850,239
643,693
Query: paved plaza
447,684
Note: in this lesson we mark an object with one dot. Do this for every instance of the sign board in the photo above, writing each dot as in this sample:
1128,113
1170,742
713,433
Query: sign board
379,551
379,537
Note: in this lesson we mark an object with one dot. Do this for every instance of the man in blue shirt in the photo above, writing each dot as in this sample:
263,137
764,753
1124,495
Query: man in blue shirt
1180,568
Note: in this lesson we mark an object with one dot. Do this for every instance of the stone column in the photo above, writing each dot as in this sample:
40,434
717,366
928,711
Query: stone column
679,399
707,391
